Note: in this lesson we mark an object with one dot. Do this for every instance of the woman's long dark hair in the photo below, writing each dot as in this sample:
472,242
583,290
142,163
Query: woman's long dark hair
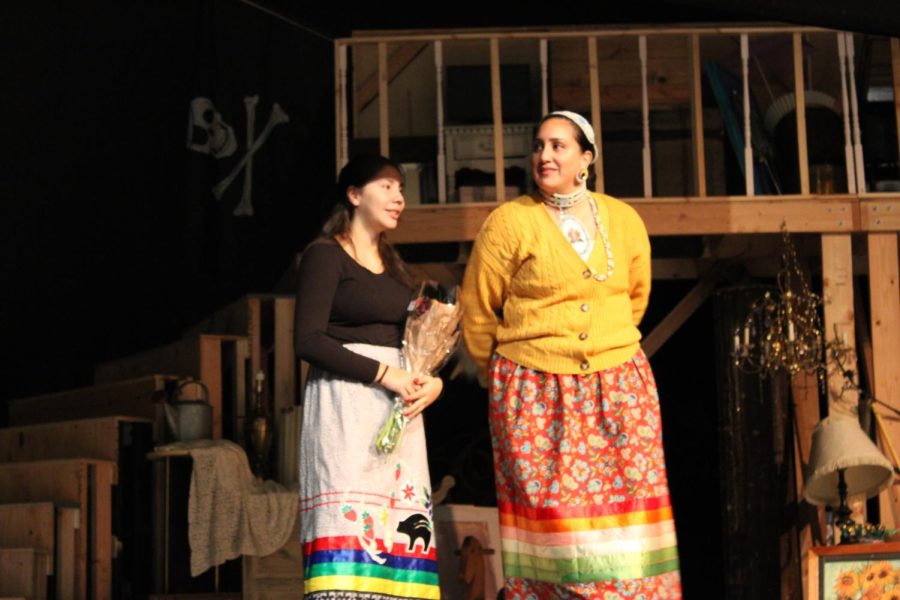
357,173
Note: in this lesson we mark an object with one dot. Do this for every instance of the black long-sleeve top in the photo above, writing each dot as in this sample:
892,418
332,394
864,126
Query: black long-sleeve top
339,301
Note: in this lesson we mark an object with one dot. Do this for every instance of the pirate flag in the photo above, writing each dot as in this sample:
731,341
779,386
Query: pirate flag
259,147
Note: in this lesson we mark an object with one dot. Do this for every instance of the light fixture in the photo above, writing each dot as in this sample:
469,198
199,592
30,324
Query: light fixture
783,330
843,462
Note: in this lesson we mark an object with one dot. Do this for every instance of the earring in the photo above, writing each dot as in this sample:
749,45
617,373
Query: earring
582,175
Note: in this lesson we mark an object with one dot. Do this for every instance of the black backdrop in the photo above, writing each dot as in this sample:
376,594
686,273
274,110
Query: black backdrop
112,240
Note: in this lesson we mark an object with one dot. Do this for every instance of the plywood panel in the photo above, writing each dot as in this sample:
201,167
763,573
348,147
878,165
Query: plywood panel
89,438
133,398
28,526
85,483
277,576
23,572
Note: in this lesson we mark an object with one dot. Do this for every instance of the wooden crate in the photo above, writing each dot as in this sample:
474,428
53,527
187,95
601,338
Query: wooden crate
23,573
100,438
47,527
267,320
82,482
278,576
200,357
133,398
122,440
267,323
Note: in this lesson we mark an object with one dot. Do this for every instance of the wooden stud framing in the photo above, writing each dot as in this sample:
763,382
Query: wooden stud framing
849,160
497,112
884,294
748,137
837,292
800,110
895,70
858,163
384,125
645,119
402,55
593,67
697,139
441,151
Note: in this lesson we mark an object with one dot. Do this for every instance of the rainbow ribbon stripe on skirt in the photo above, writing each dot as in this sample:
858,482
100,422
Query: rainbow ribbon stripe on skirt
631,540
342,563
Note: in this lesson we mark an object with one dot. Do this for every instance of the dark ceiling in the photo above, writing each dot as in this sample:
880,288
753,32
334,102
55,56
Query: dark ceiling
871,16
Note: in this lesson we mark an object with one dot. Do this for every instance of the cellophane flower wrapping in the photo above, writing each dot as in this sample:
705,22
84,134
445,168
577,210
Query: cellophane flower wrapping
429,339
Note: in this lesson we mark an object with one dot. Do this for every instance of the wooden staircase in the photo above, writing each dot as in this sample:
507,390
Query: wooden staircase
79,501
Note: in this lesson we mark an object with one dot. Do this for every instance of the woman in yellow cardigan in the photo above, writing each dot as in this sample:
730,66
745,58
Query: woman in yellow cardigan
555,288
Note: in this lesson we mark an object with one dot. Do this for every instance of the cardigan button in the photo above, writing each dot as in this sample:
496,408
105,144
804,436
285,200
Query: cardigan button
584,307
582,336
585,365
587,273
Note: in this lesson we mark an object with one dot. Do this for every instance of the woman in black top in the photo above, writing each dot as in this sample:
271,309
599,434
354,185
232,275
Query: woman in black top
365,518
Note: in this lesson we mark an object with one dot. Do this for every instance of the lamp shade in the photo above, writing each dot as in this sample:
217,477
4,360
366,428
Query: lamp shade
839,443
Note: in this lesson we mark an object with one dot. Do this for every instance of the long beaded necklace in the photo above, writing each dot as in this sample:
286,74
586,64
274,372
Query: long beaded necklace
576,233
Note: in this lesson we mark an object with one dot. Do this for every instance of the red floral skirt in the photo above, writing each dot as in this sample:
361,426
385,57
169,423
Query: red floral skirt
581,483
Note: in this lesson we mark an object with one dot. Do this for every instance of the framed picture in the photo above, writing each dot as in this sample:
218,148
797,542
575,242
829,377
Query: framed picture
854,572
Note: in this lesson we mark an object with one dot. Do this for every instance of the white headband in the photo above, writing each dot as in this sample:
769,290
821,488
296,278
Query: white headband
583,124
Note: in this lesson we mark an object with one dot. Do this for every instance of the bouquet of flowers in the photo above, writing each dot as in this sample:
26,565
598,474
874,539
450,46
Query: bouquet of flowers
429,338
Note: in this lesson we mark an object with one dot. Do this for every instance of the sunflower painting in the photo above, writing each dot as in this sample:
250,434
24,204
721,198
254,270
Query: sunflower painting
861,579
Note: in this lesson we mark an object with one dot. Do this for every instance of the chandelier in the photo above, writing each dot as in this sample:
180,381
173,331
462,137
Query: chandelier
783,330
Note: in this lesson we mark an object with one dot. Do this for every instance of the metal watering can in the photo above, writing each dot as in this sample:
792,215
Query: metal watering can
189,419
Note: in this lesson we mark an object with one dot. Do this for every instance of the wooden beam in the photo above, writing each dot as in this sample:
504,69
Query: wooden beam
697,138
679,314
880,215
884,298
497,114
536,33
662,216
837,292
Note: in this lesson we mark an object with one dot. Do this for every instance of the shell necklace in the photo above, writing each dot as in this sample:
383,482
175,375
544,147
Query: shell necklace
576,233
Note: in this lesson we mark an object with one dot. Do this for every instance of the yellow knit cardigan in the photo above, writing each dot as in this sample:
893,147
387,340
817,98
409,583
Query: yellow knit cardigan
528,295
